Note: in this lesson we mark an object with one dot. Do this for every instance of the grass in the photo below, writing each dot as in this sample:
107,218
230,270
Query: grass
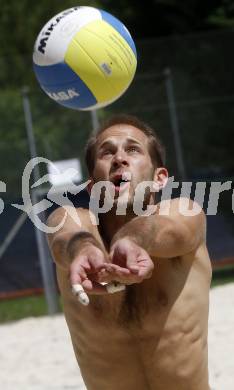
35,306
223,276
15,309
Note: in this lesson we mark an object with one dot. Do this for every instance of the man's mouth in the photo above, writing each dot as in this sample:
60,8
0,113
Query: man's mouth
121,182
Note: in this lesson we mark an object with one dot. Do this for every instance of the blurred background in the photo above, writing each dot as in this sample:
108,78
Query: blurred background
184,88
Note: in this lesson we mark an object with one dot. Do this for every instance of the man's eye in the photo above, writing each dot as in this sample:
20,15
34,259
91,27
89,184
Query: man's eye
133,149
106,152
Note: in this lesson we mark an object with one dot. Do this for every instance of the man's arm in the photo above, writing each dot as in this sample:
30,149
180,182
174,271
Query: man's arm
65,243
79,250
162,236
169,235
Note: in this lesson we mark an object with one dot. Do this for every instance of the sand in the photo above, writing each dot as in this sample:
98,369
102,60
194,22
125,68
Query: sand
36,353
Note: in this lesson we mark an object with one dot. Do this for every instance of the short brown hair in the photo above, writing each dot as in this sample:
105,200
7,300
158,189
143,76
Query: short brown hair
155,147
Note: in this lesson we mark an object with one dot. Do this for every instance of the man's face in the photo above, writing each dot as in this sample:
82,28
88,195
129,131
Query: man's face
122,156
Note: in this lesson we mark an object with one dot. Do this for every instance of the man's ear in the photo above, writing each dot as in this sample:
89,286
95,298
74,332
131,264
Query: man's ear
160,178
90,186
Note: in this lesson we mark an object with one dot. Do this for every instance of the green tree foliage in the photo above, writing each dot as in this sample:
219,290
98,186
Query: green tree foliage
165,17
21,21
201,67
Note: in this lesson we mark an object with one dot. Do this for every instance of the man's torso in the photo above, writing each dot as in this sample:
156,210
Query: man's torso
152,336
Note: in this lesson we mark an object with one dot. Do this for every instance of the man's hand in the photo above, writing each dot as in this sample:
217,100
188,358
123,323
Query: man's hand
129,263
85,267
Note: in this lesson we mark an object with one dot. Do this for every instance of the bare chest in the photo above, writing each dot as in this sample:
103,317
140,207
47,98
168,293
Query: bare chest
149,330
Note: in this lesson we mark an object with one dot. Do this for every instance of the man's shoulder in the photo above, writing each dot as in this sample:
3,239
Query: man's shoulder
180,206
60,211
68,213
185,215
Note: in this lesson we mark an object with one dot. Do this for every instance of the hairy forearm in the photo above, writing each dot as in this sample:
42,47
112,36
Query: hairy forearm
66,246
159,235
78,241
67,241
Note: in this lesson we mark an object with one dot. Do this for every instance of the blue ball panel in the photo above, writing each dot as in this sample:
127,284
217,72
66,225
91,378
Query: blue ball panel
114,22
70,91
50,74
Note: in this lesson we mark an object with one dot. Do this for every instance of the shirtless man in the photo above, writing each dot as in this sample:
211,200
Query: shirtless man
152,335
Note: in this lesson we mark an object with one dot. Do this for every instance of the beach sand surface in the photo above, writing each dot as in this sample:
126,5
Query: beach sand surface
36,353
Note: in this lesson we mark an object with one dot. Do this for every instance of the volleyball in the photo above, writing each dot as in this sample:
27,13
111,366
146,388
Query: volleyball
84,58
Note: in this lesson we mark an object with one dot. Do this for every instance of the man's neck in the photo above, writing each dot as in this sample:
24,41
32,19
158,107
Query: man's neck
110,223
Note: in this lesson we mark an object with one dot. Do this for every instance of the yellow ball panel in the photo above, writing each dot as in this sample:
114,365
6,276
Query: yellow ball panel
81,63
114,40
102,59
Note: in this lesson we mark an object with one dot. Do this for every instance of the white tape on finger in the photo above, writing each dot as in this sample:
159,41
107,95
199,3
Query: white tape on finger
115,287
79,292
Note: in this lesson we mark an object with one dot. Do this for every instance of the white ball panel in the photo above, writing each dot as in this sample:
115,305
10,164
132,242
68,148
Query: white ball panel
56,35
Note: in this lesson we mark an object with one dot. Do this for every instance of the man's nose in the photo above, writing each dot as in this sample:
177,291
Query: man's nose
120,158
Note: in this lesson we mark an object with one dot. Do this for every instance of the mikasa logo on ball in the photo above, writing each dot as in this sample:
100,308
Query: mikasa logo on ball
50,28
63,95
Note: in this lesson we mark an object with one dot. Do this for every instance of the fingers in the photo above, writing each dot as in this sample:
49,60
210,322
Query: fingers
86,267
78,272
112,272
84,275
115,287
94,288
145,272
99,289
78,291
126,257
89,271
81,274
138,266
134,268
81,290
